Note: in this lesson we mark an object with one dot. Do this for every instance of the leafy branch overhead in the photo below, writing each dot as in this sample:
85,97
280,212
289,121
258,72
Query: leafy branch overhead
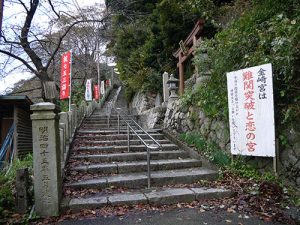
37,48
145,39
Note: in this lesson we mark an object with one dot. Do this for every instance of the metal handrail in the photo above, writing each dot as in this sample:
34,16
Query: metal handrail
118,110
111,104
148,146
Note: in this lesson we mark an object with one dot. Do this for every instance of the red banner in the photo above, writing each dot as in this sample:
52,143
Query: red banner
96,91
107,82
65,75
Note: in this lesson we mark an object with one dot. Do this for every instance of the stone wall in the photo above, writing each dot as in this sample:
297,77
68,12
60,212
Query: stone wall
152,118
180,119
149,109
289,156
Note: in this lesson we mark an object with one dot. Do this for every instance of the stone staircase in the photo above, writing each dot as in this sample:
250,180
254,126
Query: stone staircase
101,171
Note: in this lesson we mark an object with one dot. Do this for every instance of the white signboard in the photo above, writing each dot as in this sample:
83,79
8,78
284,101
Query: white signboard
88,90
102,88
251,111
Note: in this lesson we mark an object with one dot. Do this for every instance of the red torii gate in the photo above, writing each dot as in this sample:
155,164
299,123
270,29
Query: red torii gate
186,49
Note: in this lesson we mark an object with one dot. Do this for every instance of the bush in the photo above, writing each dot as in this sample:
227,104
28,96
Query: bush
7,184
269,33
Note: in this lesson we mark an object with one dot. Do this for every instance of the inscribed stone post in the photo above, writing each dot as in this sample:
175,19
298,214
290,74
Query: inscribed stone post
46,158
165,87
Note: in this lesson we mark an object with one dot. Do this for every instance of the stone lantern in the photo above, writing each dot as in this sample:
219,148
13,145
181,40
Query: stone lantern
172,83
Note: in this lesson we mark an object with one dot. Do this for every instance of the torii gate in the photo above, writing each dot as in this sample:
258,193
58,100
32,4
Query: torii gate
186,49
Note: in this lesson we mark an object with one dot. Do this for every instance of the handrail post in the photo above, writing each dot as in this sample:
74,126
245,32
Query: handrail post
118,123
148,168
128,138
118,109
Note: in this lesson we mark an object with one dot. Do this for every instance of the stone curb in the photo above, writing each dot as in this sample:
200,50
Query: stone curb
152,197
132,156
158,178
124,148
117,137
138,166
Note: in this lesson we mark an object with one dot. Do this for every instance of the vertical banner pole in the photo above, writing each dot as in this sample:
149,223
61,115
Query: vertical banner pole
70,83
98,69
275,157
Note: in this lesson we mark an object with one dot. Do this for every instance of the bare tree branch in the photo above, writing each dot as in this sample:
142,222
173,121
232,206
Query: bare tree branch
23,4
53,9
21,60
24,36
65,34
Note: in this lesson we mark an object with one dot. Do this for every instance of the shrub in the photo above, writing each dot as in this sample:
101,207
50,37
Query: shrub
7,184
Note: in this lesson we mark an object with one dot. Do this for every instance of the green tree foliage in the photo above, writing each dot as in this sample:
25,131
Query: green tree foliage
268,33
145,38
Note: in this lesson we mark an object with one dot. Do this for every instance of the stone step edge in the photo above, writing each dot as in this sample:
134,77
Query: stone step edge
113,130
134,166
153,197
128,154
124,135
118,141
139,179
121,147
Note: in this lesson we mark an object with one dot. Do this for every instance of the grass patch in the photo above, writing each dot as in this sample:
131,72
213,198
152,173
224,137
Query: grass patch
7,186
207,148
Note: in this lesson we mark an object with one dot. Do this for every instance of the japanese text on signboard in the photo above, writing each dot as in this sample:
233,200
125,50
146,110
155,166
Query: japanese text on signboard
251,111
65,75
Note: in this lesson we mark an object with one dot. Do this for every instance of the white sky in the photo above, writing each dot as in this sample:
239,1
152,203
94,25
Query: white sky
14,77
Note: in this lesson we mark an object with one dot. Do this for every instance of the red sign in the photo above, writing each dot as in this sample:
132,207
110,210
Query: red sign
107,83
65,75
96,91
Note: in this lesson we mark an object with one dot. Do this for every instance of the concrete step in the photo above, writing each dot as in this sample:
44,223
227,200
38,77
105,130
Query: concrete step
123,148
121,142
114,136
107,131
102,116
111,129
147,196
139,180
104,121
131,156
137,166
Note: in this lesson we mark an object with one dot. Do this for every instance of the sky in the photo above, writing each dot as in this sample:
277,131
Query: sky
14,77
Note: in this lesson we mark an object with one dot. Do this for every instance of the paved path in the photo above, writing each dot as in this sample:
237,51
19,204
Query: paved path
174,217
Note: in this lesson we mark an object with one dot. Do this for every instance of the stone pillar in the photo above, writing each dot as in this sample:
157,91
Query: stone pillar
22,190
46,158
165,87
78,117
74,116
181,75
70,126
62,139
63,118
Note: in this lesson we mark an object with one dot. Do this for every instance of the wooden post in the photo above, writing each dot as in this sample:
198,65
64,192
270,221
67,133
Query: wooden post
16,122
181,75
